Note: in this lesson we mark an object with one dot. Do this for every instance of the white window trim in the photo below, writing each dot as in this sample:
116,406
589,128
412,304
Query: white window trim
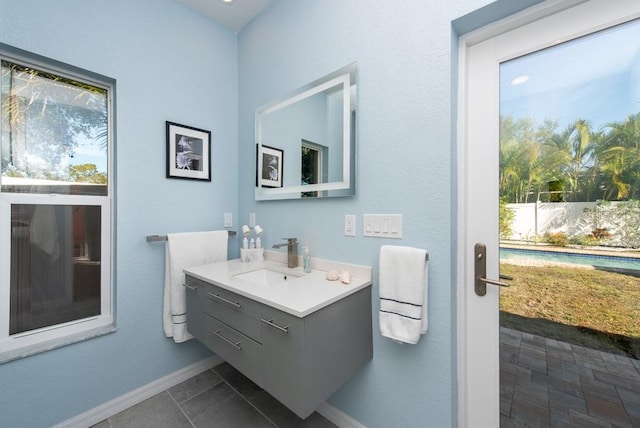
43,339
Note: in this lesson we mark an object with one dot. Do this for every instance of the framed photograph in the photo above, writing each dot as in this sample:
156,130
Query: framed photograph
188,152
272,161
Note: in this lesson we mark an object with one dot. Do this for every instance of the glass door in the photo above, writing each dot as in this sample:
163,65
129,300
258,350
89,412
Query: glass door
569,215
486,56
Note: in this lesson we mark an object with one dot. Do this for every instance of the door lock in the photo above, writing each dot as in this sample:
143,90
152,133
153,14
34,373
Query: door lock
481,280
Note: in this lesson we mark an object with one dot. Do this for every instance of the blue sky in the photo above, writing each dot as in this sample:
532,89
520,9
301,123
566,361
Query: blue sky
596,78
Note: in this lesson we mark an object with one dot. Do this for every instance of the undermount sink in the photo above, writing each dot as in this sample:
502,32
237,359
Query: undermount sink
267,277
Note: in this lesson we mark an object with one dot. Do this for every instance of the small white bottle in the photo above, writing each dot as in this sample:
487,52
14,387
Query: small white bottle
252,244
258,242
306,259
244,257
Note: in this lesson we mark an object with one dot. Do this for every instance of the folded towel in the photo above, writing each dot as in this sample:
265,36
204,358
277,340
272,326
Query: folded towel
184,250
403,293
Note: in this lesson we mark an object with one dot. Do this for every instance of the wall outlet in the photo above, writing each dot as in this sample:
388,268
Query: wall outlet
252,219
228,220
350,225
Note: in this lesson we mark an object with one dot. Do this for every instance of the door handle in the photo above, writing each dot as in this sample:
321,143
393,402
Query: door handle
481,280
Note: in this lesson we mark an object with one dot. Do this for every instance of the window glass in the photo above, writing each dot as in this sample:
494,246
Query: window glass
54,133
56,262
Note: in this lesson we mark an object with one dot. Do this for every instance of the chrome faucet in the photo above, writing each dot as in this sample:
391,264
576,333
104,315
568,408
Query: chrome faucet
292,251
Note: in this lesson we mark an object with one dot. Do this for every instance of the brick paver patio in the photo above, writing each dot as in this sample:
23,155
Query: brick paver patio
547,383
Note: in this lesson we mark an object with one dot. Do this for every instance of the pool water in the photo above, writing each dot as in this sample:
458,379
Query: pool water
581,259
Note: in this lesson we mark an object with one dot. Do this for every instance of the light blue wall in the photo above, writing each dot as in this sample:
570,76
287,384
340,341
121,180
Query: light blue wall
403,52
406,54
170,64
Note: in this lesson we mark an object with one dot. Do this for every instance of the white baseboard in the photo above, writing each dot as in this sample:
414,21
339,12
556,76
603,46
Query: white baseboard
115,406
338,417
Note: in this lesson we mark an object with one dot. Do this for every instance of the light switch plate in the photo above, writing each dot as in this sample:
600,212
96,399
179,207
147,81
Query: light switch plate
350,225
228,219
383,225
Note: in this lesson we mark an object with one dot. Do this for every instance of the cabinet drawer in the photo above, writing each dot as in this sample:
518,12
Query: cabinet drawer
230,300
234,310
240,351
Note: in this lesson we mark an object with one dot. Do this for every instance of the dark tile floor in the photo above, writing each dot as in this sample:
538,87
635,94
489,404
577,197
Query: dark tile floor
547,383
220,397
543,383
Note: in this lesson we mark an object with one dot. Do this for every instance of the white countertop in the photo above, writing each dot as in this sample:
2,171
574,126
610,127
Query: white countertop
301,295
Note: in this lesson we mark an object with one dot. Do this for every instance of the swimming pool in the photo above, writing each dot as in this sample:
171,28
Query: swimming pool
574,258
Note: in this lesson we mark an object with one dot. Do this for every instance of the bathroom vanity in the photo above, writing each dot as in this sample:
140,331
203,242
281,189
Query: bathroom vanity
298,336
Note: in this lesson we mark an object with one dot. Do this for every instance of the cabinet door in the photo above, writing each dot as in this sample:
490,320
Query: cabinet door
195,309
283,358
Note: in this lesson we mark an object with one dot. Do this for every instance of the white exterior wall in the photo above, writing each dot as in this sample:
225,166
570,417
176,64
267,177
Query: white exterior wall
550,217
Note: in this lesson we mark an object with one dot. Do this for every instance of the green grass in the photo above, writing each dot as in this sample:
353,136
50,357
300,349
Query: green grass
593,308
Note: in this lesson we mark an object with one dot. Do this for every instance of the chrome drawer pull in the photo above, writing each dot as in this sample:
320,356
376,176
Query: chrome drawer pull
222,299
192,287
234,344
270,322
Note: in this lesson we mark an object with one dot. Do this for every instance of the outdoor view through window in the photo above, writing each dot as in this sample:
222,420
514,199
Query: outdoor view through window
570,191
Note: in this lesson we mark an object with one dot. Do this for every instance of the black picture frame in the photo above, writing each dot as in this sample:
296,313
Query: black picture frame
188,152
272,166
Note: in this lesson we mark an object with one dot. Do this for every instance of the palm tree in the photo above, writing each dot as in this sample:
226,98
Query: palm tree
556,154
592,165
521,172
572,152
618,156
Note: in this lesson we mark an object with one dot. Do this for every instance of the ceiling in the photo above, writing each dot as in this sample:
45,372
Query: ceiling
234,15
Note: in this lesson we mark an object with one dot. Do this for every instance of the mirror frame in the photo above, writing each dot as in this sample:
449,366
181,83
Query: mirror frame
345,77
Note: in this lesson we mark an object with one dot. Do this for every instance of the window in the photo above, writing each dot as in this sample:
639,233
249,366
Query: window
56,196
314,168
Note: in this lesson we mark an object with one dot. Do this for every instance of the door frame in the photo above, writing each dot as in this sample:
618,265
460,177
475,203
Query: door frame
544,25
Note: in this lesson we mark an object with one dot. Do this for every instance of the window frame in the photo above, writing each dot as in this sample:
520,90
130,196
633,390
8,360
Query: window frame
46,338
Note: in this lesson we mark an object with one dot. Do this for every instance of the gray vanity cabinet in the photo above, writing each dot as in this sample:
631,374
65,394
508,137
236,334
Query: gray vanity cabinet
300,361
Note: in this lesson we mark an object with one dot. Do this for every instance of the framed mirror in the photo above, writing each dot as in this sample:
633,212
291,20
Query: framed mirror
306,141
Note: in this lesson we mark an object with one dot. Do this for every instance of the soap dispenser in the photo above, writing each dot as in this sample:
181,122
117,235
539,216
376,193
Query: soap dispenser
306,259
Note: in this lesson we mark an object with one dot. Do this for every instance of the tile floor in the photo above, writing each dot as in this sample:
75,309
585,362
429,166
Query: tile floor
220,397
547,383
544,383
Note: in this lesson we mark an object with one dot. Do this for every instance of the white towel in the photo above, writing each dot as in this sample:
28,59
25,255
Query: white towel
403,293
184,250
